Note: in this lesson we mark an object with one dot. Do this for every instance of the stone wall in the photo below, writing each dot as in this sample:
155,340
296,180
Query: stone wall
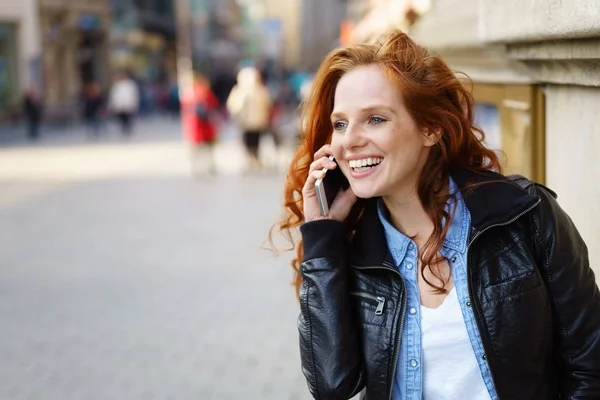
572,147
551,43
519,20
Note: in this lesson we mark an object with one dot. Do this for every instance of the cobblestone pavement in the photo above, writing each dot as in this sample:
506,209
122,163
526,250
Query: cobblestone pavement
123,278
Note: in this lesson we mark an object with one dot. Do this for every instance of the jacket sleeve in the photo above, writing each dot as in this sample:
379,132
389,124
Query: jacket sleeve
329,339
575,298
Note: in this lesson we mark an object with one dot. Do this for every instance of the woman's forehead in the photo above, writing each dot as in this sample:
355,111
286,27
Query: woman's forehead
363,87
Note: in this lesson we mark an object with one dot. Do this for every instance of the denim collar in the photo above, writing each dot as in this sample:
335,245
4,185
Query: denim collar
456,237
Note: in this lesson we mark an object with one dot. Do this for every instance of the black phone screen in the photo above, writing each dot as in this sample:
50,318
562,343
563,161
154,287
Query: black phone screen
332,183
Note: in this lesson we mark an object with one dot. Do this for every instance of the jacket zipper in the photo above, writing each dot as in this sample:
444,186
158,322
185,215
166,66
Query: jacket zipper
387,266
503,223
476,312
380,300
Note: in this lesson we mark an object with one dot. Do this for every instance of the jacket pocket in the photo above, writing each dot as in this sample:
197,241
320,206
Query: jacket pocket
513,288
371,308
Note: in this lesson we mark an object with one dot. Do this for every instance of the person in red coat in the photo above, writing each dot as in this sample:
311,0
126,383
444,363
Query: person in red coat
199,107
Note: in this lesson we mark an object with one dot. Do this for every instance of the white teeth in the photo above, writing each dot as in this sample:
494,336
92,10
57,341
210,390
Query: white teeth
370,161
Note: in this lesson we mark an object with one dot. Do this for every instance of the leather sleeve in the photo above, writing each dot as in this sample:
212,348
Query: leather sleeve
329,339
574,295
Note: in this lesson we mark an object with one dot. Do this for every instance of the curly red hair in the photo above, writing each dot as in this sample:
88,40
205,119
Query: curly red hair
434,97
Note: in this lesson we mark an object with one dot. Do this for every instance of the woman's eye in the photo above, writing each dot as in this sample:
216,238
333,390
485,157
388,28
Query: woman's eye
376,120
339,125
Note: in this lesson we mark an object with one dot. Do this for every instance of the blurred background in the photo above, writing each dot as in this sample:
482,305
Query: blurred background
136,193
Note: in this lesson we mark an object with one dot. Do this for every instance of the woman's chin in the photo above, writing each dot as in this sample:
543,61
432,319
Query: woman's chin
364,193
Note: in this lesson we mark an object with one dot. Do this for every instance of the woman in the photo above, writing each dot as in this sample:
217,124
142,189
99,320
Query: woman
433,276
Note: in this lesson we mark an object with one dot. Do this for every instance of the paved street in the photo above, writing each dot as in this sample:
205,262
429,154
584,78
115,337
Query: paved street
123,278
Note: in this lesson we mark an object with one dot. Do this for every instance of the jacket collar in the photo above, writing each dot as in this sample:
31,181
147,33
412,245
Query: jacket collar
492,199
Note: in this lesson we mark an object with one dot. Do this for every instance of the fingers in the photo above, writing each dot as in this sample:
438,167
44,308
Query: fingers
322,160
322,163
316,172
317,169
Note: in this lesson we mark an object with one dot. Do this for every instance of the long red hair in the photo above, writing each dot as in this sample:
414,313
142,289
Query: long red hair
435,98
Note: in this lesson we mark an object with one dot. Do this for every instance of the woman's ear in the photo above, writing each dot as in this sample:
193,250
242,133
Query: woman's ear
432,136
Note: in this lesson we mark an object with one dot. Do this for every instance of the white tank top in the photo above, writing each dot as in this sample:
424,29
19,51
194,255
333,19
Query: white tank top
450,370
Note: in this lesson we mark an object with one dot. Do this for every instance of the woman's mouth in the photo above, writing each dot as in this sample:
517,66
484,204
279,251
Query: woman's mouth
365,164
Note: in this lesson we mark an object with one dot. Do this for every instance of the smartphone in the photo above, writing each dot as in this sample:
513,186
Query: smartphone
329,186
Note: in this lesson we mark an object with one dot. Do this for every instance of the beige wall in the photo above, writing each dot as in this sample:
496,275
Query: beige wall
541,19
24,14
572,148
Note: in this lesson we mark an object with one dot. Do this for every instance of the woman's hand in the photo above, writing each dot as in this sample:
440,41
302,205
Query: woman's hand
343,202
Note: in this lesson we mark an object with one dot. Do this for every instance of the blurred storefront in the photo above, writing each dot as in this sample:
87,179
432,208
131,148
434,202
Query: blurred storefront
535,71
19,53
143,39
74,52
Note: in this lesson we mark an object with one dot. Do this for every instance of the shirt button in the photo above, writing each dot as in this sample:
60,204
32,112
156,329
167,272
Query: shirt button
468,304
484,357
413,311
413,363
409,265
453,259
411,246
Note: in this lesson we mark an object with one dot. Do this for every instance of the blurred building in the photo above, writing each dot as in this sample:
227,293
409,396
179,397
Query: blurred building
143,36
19,52
302,31
537,85
75,37
319,30
223,36
272,34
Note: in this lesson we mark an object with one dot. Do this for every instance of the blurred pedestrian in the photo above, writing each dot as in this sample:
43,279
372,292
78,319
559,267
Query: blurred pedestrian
32,108
199,109
124,101
93,107
432,276
249,103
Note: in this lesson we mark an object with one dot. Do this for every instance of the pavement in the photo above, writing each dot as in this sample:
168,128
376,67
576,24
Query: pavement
121,277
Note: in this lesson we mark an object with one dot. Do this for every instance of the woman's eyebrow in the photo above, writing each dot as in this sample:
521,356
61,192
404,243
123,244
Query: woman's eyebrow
370,108
376,107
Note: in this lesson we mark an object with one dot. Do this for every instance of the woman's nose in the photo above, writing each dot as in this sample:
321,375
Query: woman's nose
354,137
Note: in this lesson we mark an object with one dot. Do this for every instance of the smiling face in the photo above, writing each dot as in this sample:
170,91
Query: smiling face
375,141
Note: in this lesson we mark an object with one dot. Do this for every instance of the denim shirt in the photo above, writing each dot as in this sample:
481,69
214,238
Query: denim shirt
408,384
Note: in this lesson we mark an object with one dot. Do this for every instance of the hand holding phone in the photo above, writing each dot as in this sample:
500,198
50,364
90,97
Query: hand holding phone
327,188
325,200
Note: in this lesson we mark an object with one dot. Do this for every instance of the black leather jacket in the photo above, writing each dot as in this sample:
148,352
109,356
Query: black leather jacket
534,296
